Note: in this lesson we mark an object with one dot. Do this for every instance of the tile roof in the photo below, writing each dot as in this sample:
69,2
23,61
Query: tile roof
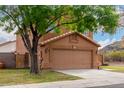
66,34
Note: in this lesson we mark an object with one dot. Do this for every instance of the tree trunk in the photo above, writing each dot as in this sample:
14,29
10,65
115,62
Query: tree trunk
34,69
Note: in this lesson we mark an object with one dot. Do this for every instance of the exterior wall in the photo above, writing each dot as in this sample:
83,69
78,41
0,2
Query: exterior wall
20,48
65,43
22,60
8,59
20,53
46,56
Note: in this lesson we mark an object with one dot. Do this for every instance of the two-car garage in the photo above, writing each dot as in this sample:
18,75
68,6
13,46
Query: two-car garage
71,59
69,51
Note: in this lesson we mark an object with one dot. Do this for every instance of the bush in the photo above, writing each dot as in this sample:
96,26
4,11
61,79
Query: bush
114,56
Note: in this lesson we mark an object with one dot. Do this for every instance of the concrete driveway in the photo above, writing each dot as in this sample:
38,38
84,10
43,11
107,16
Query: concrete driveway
92,78
94,74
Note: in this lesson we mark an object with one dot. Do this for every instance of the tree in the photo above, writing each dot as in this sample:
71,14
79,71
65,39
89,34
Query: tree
40,20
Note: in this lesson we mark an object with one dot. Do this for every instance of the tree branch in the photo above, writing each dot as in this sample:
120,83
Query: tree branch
55,19
27,37
25,43
12,18
58,25
32,29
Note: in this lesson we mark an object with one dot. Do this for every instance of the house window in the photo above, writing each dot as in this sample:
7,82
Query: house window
73,38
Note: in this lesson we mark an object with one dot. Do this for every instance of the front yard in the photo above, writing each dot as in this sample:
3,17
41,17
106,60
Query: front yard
22,76
113,68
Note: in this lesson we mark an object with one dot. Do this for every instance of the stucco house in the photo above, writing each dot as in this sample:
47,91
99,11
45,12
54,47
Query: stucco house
70,50
7,54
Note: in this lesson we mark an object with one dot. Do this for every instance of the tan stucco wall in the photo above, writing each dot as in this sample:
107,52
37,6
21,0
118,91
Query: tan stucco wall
20,48
64,43
46,56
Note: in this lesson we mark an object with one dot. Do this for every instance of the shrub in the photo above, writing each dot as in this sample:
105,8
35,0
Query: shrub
114,56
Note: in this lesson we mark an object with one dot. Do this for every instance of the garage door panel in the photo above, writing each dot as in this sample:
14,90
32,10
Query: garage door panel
70,59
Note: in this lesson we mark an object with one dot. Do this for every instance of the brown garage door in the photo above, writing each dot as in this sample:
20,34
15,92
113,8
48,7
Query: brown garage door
70,59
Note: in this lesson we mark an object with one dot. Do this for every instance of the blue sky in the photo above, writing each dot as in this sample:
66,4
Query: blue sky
105,38
4,36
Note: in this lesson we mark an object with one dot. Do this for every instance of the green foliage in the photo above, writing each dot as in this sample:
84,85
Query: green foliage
49,18
114,56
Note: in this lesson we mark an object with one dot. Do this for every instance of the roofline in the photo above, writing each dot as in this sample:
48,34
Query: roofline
67,34
8,42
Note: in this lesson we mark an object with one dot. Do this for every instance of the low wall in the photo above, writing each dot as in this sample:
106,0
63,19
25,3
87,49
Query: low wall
8,59
22,60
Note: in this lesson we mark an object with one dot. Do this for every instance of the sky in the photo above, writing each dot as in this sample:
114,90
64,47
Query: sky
4,36
105,39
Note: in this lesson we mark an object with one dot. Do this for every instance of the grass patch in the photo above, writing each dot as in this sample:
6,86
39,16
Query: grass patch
22,76
113,68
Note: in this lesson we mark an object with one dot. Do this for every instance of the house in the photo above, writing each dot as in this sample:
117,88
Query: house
70,50
7,47
7,54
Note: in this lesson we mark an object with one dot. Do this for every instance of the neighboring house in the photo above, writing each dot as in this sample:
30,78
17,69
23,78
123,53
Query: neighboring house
70,50
8,47
7,54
